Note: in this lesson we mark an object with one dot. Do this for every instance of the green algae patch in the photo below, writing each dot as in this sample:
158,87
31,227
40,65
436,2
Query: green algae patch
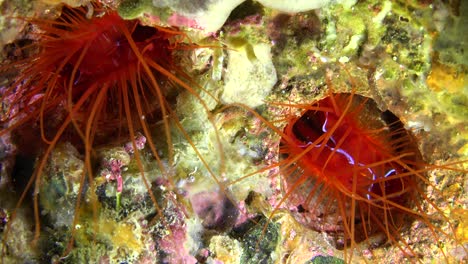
131,9
325,260
258,241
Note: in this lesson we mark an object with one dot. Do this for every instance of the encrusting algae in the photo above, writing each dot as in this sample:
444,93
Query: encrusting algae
184,162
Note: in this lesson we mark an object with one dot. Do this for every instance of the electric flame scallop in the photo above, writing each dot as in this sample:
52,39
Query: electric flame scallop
91,78
353,172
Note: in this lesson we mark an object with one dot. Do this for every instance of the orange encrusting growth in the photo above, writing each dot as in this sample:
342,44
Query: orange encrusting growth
93,79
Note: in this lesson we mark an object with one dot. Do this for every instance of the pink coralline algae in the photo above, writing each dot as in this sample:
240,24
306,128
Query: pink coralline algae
113,167
176,19
215,209
112,172
140,142
171,234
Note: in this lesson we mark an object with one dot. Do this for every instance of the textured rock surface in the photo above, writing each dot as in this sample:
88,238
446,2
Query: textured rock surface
252,67
381,49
